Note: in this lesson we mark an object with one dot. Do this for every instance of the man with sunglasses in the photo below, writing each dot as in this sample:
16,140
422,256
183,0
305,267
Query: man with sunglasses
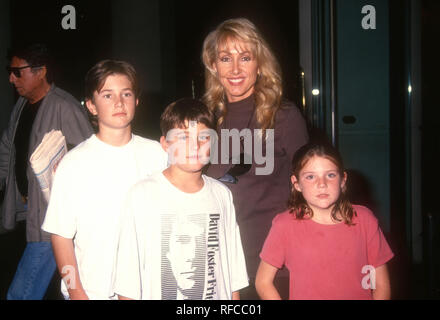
40,108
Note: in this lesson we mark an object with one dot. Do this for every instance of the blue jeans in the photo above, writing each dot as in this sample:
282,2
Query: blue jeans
34,272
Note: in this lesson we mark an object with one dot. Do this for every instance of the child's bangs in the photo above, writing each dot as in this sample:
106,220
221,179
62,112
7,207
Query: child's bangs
103,79
184,123
318,153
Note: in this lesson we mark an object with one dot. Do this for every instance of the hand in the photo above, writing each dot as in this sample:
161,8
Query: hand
78,294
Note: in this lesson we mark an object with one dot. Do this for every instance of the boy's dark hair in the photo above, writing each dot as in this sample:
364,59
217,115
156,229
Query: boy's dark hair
96,76
297,204
186,109
36,55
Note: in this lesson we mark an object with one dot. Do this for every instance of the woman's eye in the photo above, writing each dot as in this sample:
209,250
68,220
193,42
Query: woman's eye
182,138
246,58
309,177
332,175
224,59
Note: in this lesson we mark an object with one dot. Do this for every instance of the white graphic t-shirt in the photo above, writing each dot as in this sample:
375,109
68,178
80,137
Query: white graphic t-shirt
177,245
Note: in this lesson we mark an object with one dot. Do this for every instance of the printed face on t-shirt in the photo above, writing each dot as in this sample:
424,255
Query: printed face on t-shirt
182,253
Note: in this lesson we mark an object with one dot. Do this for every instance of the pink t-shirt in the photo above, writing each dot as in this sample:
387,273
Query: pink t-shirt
327,261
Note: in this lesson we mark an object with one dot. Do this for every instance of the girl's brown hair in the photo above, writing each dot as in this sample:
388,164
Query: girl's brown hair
297,204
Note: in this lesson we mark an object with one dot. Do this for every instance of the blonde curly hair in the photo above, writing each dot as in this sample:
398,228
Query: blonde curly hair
268,88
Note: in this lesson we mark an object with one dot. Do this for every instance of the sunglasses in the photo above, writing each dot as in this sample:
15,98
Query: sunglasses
17,70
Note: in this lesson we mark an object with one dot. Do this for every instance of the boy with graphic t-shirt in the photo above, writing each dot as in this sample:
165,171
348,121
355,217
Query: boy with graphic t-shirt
92,181
179,237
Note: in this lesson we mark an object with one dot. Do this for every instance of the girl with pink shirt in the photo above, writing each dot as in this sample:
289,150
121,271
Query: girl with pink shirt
332,249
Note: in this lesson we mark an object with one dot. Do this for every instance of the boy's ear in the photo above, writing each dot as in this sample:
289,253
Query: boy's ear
295,183
137,102
91,106
164,143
